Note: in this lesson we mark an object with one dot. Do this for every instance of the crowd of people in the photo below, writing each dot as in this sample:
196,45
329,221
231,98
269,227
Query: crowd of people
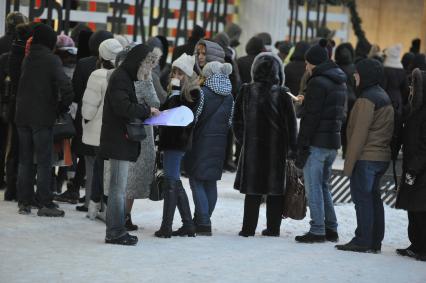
245,121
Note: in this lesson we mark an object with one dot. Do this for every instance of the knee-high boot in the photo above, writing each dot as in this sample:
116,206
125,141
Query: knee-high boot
170,200
188,227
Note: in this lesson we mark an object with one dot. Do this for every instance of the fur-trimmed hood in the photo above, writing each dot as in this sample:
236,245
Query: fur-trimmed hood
268,67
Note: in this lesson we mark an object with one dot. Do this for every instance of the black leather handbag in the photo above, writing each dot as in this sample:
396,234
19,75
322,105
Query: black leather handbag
64,127
136,130
156,190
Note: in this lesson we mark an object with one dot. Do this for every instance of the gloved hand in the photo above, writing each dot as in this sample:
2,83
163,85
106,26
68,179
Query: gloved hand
409,179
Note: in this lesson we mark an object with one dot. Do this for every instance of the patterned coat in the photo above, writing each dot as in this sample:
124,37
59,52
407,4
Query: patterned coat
141,173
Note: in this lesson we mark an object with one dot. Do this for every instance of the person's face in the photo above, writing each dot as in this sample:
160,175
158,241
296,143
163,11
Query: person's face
178,74
357,79
309,67
201,53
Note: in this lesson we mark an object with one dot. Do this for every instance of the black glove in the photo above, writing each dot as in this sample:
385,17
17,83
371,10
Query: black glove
301,157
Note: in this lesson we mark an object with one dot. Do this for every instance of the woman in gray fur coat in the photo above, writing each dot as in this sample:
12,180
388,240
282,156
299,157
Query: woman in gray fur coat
141,173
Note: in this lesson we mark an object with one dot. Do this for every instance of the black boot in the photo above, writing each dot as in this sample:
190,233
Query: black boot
169,207
188,227
129,224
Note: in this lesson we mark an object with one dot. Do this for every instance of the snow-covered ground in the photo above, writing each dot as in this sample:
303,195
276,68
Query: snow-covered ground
72,249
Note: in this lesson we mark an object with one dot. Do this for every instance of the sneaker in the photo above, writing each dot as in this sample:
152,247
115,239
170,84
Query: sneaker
352,247
68,196
269,233
24,209
50,211
125,240
407,252
203,230
310,238
331,236
82,208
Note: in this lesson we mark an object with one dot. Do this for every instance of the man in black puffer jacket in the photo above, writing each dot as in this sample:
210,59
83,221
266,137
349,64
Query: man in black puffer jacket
120,107
319,139
44,91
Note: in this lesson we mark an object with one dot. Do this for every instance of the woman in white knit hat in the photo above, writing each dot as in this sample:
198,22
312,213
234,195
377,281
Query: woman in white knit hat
174,142
92,108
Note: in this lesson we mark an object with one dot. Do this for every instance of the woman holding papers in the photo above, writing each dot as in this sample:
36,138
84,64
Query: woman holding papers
174,142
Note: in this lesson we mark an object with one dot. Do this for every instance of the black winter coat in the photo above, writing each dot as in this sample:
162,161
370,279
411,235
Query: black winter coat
121,106
6,42
42,82
324,108
179,138
83,69
293,75
265,124
253,48
413,198
205,160
395,83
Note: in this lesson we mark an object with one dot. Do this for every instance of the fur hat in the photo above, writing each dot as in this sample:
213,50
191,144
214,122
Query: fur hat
213,68
13,19
185,63
109,49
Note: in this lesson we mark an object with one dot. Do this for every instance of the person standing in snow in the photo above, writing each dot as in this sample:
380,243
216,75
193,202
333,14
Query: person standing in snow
265,124
141,172
120,107
412,193
91,111
184,90
43,83
323,113
204,162
369,132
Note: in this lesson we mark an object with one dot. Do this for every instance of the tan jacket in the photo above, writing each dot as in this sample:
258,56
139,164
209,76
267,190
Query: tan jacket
369,131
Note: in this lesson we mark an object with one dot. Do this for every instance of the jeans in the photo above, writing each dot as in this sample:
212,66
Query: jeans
171,164
38,142
204,194
115,215
98,180
365,192
317,172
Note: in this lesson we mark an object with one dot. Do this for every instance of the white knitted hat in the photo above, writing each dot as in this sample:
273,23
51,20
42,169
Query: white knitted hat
109,49
212,68
393,57
185,63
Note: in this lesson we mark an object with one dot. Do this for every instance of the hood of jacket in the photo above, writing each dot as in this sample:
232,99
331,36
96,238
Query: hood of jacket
345,54
96,39
418,84
255,46
214,52
268,68
370,72
300,51
330,70
219,84
134,59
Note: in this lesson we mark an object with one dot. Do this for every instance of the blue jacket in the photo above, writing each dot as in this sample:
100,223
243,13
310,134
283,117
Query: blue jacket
205,160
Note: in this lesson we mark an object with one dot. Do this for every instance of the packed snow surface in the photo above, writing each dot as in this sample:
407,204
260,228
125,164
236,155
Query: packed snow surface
72,249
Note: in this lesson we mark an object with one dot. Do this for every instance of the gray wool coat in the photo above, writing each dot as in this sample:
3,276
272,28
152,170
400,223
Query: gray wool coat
141,172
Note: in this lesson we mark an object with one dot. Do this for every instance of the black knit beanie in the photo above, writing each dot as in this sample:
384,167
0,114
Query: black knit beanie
317,54
44,35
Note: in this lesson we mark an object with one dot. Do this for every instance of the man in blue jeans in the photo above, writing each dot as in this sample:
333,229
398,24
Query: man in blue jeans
369,132
319,139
